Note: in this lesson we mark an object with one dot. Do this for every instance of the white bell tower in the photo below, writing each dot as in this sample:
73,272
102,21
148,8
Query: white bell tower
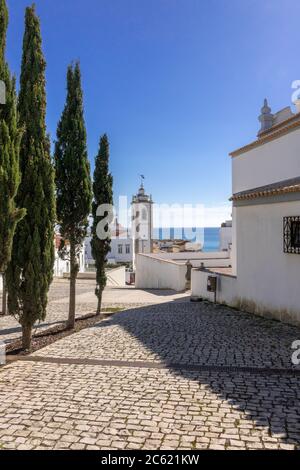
142,222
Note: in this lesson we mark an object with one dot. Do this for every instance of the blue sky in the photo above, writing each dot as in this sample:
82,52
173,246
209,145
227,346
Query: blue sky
176,84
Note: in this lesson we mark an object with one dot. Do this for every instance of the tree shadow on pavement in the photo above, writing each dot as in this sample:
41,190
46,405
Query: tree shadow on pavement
235,354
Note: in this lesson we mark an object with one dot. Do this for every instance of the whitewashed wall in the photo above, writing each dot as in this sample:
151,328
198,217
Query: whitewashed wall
225,238
155,273
226,287
116,277
268,280
269,163
168,270
114,256
184,256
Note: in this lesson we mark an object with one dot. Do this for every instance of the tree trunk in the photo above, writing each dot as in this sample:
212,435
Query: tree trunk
26,337
73,276
98,313
4,296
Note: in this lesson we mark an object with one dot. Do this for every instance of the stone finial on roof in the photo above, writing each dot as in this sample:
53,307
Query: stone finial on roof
266,118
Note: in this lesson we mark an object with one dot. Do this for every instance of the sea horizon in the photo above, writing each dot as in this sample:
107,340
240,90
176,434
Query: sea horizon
209,237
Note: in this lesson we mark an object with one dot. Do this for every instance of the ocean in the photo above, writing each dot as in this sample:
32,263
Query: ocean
210,236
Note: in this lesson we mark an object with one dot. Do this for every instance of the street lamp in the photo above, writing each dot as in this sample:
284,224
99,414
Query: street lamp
2,93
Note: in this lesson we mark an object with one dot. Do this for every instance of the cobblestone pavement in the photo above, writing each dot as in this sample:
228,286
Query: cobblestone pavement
57,311
79,405
185,333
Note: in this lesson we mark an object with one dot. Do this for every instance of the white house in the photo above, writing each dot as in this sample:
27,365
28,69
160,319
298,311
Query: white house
127,243
265,273
121,246
226,236
62,266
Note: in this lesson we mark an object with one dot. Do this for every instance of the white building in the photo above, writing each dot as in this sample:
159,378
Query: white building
121,246
62,266
265,273
226,236
125,242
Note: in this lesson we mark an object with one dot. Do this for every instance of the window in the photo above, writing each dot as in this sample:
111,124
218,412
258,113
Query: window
127,249
120,249
291,234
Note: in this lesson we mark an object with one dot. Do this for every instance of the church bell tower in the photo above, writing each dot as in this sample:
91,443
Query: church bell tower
142,222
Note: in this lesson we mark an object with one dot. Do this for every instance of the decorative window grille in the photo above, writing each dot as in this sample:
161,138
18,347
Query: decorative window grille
291,234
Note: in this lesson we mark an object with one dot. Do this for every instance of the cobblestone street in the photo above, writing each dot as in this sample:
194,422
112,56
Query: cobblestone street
57,311
171,375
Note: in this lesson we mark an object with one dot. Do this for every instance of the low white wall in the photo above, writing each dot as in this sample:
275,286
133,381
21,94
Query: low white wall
226,287
187,255
211,263
157,273
219,259
116,277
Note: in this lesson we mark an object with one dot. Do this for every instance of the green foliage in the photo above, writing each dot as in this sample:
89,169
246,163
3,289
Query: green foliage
10,136
74,192
30,272
73,180
103,194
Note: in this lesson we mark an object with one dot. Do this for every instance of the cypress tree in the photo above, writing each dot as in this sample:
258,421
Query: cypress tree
103,195
30,272
73,180
10,136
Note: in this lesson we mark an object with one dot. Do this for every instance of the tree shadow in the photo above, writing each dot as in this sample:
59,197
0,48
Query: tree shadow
243,359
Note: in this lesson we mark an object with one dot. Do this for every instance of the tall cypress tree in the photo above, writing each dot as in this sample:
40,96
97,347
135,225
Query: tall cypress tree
103,195
30,272
10,136
73,180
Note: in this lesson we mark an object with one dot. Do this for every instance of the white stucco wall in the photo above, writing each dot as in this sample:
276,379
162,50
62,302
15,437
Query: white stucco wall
168,270
116,277
267,276
225,238
268,280
213,259
114,256
186,255
155,273
226,287
269,163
